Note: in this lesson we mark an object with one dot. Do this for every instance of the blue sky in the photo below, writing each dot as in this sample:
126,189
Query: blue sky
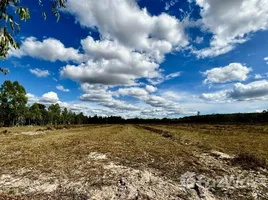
145,58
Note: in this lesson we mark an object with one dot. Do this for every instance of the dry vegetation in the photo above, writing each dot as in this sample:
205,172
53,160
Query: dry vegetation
130,161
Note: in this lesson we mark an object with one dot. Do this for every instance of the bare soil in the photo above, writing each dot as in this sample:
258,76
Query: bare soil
130,162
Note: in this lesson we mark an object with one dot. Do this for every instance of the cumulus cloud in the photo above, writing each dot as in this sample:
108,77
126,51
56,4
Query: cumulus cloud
133,43
231,23
217,96
108,101
136,92
100,95
112,72
166,105
125,22
39,72
257,90
49,49
50,97
232,72
251,91
61,88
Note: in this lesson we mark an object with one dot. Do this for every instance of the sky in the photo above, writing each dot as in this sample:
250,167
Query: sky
145,58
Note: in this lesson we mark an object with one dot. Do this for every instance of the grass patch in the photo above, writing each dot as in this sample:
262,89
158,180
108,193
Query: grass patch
249,161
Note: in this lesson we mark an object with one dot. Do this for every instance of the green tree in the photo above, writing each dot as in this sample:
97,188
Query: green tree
65,116
45,115
35,114
71,117
54,112
13,102
9,10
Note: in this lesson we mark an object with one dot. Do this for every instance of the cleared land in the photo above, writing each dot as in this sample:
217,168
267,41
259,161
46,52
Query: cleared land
134,162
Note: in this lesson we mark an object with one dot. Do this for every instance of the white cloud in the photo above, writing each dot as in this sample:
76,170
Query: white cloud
125,22
266,59
254,90
107,100
232,72
32,98
257,90
150,88
166,105
50,97
136,92
231,23
258,76
132,43
181,96
49,49
112,72
217,96
39,72
156,81
61,88
100,95
199,40
173,75
170,4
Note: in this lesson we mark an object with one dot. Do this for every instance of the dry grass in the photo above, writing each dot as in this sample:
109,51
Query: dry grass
63,153
231,139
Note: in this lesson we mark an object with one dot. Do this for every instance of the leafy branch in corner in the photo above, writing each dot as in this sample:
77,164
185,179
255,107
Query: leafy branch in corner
9,27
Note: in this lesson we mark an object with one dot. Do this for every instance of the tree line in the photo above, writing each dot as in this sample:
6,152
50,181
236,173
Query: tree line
14,111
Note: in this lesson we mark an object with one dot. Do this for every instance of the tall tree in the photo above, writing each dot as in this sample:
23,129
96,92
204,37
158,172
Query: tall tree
9,10
35,114
65,116
13,102
44,112
54,113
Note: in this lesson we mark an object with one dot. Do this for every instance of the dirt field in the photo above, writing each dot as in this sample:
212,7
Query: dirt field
134,162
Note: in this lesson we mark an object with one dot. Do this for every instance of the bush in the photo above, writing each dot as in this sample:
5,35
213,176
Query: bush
249,161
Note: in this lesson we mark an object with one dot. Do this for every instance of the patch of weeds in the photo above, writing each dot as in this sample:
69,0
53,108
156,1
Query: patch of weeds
249,161
5,132
158,131
50,128
40,130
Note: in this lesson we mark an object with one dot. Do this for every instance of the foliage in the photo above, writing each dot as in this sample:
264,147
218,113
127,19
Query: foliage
9,11
13,102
